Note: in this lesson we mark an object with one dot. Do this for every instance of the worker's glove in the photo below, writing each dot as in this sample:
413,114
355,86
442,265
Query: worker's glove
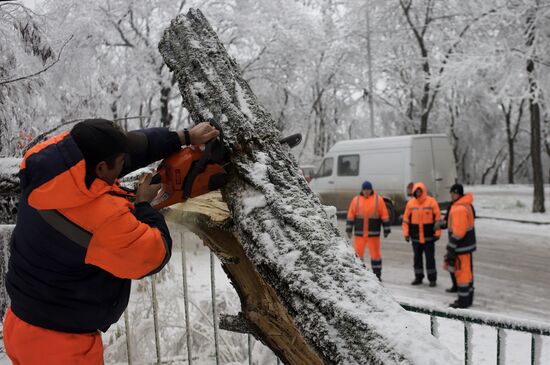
387,231
436,239
407,238
450,260
349,234
441,224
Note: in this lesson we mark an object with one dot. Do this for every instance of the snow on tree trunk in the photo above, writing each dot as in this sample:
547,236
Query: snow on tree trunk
209,218
339,307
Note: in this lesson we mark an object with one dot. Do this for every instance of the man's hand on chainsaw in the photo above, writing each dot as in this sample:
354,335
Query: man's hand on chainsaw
200,134
146,192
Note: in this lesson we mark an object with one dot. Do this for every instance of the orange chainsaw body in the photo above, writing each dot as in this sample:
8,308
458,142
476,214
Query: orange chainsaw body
183,177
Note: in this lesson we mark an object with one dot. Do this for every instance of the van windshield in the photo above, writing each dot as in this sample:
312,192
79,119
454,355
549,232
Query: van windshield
326,167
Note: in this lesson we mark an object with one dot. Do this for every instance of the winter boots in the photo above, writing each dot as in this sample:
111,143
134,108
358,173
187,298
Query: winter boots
452,289
418,281
461,302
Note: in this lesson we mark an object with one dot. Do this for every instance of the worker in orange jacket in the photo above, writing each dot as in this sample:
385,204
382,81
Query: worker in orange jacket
81,238
421,213
367,214
462,243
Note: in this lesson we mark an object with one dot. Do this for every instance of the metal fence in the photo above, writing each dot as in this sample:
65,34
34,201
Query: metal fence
189,356
500,324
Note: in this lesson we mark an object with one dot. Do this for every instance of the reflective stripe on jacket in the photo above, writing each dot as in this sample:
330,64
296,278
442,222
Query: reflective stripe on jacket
462,235
74,248
420,216
366,215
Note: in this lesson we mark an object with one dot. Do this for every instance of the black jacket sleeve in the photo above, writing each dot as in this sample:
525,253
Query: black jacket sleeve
150,145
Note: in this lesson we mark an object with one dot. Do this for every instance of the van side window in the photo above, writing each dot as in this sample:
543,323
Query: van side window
348,165
326,168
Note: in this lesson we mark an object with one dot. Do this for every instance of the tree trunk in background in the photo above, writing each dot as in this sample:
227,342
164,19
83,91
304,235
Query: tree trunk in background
511,135
534,109
339,308
511,159
165,115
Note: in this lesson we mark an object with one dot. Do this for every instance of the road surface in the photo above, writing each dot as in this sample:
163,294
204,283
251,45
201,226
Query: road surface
511,269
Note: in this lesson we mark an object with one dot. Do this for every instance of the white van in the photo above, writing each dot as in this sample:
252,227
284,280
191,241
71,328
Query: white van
390,163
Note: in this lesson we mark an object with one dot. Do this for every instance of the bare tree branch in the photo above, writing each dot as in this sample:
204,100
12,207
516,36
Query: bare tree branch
5,82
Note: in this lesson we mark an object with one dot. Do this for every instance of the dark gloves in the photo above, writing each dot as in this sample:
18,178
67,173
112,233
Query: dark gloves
441,224
436,239
349,234
450,260
387,231
407,238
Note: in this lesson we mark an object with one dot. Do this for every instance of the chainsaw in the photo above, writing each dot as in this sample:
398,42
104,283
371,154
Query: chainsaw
197,170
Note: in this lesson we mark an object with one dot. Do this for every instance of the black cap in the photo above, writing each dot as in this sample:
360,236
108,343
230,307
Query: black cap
457,189
99,139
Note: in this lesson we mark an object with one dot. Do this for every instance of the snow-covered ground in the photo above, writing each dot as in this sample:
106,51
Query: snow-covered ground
512,278
508,201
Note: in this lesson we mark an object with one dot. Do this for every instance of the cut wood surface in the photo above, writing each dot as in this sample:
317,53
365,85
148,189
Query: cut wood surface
339,308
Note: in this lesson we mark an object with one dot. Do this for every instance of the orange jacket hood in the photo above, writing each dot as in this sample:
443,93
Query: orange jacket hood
424,193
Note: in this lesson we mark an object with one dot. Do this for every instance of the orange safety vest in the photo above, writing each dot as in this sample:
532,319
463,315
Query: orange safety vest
420,216
462,235
366,215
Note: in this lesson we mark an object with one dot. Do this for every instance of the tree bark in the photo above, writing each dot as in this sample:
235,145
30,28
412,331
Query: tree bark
511,135
262,311
534,109
339,308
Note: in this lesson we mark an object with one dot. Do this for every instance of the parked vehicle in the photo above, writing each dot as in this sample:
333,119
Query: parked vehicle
390,163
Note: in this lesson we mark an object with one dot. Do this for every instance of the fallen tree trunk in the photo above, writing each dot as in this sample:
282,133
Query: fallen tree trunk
209,218
339,308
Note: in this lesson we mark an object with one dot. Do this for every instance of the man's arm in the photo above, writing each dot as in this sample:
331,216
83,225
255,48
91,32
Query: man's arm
154,144
406,221
158,143
351,216
384,215
459,222
437,218
131,245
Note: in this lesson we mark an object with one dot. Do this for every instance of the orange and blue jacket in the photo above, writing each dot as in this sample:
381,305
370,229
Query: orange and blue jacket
462,234
366,215
75,247
420,216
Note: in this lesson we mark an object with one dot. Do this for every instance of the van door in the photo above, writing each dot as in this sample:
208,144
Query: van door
422,166
444,168
323,181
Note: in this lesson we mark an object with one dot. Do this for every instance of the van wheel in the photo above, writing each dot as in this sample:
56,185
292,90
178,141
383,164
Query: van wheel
391,212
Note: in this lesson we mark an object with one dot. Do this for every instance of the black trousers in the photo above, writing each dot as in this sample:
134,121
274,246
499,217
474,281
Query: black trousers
420,250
